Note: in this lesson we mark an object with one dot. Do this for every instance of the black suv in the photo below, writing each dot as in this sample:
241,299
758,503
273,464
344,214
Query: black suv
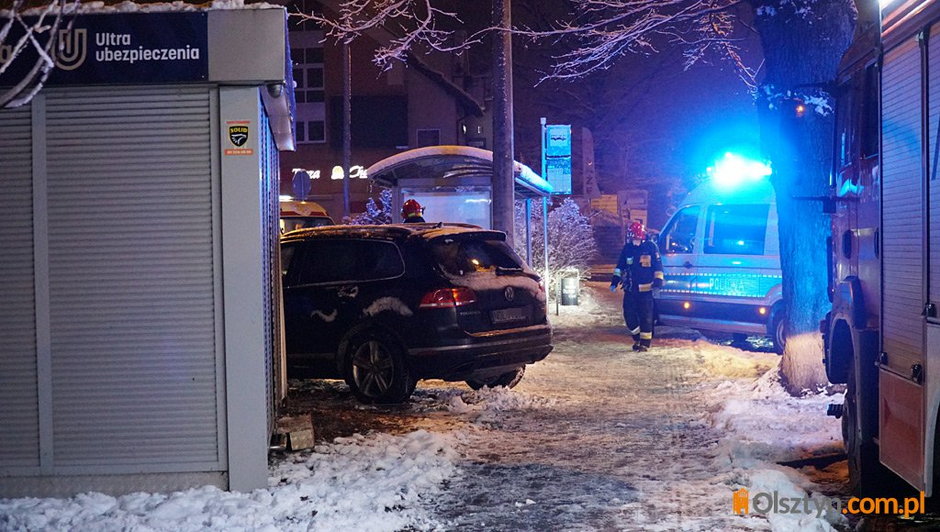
384,306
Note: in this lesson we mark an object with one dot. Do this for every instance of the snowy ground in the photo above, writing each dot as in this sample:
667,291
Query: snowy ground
596,437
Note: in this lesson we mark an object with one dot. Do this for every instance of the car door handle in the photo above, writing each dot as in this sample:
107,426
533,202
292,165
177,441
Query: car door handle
687,264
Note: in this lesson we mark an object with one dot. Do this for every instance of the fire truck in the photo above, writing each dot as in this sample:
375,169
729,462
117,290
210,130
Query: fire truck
882,336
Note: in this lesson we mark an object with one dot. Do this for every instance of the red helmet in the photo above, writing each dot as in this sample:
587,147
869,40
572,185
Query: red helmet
411,208
637,231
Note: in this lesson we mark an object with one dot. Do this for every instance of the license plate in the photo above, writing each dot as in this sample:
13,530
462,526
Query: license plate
508,315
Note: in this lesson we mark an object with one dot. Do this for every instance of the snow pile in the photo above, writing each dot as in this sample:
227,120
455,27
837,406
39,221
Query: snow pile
475,403
368,483
726,361
764,422
790,485
497,399
762,425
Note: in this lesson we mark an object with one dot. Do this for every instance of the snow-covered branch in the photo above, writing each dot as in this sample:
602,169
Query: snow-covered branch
570,239
39,26
594,35
601,31
411,24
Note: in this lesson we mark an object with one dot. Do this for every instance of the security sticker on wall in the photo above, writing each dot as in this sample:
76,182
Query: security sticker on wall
238,131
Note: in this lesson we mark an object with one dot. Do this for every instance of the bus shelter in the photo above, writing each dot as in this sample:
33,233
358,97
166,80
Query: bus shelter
455,184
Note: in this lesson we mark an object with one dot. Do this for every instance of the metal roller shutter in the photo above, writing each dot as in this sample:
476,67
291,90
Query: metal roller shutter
272,271
19,401
266,268
902,199
134,352
933,183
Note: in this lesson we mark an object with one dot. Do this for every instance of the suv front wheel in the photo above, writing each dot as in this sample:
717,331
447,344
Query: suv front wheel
376,370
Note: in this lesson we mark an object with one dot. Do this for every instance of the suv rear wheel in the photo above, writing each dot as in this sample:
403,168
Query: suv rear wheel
508,379
376,370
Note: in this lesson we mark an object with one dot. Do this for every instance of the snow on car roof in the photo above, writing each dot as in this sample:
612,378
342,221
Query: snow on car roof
392,231
430,231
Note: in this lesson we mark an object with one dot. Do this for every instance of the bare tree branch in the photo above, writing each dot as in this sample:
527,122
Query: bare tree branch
414,24
599,31
604,30
40,28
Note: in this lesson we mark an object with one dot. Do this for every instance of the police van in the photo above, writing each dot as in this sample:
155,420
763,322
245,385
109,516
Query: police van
721,259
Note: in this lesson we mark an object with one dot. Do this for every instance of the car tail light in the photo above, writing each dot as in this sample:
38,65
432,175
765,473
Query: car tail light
448,297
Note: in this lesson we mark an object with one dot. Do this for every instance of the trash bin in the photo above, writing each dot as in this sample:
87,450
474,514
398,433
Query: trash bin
570,287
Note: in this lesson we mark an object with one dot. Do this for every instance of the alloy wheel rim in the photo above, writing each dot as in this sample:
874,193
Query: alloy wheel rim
373,369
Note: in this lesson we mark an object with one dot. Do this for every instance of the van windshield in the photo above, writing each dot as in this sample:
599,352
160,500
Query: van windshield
679,235
291,223
736,229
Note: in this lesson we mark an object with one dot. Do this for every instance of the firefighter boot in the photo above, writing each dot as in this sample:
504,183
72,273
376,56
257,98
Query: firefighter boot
636,342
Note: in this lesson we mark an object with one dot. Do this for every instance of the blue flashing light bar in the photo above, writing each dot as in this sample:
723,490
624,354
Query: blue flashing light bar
732,171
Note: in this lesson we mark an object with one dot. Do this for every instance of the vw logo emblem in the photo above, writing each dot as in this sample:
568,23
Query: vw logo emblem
509,293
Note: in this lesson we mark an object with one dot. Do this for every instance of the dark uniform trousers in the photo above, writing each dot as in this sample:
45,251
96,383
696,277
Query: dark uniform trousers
638,314
639,269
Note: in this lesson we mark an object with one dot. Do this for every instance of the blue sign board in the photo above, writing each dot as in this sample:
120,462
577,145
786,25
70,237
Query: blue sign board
558,174
120,48
557,141
556,156
301,185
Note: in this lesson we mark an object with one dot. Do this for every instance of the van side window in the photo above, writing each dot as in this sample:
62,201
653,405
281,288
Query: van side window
679,234
736,229
349,261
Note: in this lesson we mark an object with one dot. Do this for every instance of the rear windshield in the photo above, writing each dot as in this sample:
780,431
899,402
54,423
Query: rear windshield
467,255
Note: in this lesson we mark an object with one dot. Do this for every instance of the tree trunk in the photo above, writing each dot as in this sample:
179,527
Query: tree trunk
803,42
503,148
347,124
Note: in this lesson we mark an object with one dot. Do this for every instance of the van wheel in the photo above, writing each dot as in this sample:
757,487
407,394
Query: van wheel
376,370
778,329
509,379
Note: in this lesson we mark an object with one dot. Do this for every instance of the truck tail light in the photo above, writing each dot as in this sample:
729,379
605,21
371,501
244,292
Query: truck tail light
448,297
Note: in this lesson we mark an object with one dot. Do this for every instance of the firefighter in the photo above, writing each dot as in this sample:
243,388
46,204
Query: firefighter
638,270
412,212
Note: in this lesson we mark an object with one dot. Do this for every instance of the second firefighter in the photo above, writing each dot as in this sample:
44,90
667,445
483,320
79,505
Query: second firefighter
639,269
